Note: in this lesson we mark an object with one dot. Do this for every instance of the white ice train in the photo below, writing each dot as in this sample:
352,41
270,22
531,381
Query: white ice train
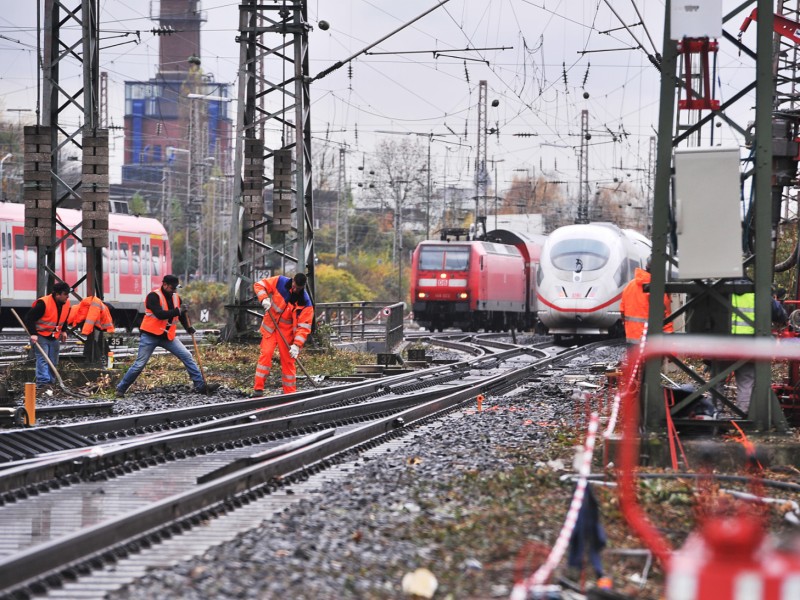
582,272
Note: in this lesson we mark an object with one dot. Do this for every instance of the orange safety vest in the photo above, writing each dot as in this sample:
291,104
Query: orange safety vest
94,313
51,323
635,307
294,320
151,324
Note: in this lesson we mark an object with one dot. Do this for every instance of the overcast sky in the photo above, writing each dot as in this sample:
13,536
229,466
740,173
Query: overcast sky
555,53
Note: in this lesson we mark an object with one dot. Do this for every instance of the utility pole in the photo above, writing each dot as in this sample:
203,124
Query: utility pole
340,190
480,156
583,170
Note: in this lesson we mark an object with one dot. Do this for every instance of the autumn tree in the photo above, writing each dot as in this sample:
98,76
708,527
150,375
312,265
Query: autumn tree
339,285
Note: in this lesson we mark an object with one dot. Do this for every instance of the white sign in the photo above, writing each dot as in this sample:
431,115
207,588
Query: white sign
204,316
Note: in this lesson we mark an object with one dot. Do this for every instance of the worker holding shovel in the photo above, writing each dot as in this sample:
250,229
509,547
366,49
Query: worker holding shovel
46,322
288,316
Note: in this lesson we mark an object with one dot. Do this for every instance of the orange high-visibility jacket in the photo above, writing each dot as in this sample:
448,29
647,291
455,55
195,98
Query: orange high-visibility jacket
51,323
151,324
294,319
94,313
635,307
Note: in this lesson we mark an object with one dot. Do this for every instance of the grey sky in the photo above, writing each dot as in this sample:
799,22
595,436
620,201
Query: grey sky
539,81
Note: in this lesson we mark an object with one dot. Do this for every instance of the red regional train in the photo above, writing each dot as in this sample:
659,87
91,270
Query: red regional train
487,284
136,260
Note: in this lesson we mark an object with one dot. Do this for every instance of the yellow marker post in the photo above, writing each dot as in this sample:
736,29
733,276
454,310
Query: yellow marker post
480,402
30,402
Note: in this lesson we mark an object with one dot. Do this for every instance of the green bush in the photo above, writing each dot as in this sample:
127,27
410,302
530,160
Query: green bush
204,295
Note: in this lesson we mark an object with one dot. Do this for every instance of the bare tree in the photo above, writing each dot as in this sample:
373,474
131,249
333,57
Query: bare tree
621,204
541,196
400,180
400,176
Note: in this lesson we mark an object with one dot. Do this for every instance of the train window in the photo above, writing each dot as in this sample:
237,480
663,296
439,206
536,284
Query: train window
135,258
19,252
431,258
456,259
579,255
105,261
82,258
4,250
156,260
123,259
24,256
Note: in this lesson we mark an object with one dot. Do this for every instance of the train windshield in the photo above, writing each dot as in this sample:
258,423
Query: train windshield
438,258
579,255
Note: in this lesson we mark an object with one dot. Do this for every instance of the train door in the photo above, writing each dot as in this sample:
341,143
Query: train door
158,259
146,262
128,254
111,270
6,261
24,262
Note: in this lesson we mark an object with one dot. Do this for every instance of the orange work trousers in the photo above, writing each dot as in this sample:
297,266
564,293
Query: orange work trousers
288,366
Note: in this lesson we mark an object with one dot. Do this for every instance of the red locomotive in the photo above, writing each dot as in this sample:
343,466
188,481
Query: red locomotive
136,260
476,284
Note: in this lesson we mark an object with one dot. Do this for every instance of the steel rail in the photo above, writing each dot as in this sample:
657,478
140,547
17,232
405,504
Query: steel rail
198,503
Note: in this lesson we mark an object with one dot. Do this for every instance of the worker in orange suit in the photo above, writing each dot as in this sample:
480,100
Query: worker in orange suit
635,306
93,313
286,303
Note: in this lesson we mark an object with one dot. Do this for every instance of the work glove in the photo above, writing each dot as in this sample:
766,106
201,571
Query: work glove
266,303
190,330
294,351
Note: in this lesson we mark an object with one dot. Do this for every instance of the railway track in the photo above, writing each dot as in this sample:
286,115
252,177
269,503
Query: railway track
129,483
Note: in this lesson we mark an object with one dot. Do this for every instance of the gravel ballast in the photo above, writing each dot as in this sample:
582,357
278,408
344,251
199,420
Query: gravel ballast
359,536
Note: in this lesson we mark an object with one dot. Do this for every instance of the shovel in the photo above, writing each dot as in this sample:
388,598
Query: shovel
49,362
197,351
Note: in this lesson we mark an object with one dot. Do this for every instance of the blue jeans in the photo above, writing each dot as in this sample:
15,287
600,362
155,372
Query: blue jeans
148,343
43,373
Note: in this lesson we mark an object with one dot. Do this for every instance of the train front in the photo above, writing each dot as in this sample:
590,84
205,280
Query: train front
440,284
582,272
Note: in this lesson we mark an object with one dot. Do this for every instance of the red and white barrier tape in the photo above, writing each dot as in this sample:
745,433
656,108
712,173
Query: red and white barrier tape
542,574
612,420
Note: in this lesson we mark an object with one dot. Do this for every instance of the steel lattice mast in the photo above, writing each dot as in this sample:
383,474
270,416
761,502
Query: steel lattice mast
273,40
71,44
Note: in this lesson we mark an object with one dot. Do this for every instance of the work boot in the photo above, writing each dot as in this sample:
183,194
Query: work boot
208,388
257,394
119,393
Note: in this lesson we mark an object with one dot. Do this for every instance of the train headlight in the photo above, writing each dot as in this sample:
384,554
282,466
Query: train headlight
463,296
422,295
